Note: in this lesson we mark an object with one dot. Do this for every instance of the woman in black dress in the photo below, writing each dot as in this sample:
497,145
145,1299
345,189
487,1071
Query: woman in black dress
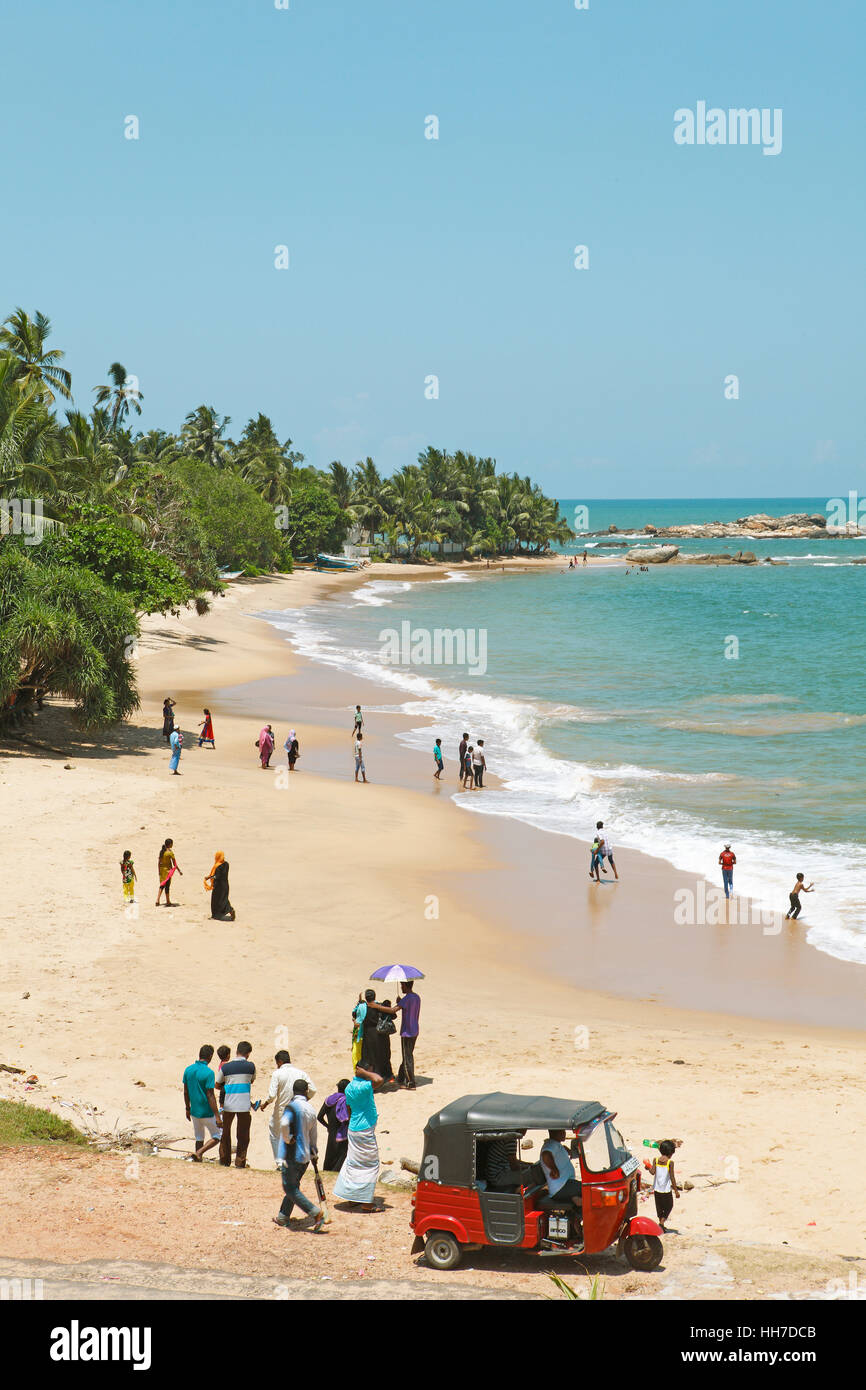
218,883
334,1115
376,1047
167,718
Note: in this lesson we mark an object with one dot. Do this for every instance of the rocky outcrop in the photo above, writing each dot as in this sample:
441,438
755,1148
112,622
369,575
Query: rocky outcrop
651,555
759,526
704,558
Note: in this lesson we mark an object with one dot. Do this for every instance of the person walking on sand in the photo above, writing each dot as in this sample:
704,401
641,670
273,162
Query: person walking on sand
664,1182
356,1182
461,758
293,750
410,1009
206,726
728,859
168,867
437,759
280,1094
176,744
128,876
200,1103
237,1076
358,721
167,718
265,745
359,758
479,763
217,881
606,846
794,897
298,1145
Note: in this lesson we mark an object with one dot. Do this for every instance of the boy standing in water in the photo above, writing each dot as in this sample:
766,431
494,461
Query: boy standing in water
794,897
358,723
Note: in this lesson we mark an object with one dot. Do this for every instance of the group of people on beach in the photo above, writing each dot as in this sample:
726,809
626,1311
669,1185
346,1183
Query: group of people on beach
266,742
471,763
220,1102
216,882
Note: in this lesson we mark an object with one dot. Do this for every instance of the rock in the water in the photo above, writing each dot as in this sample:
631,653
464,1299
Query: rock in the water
612,530
652,555
651,530
744,557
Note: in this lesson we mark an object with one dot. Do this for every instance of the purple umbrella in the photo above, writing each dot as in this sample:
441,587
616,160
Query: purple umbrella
395,974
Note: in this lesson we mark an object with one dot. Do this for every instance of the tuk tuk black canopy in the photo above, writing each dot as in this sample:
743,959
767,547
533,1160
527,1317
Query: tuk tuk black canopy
449,1135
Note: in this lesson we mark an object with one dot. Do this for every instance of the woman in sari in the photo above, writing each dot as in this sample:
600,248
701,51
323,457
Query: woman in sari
167,718
168,867
357,1179
176,742
265,745
206,726
334,1115
292,750
218,883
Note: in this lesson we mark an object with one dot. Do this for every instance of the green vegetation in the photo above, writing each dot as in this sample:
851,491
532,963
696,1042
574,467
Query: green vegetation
27,1124
99,525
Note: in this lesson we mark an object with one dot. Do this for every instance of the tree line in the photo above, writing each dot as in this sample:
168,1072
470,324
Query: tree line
100,522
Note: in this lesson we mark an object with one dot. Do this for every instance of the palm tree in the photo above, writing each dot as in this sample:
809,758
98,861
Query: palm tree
120,394
28,435
91,466
25,338
202,436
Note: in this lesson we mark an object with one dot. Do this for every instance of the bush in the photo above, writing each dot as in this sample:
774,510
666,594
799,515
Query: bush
238,525
120,557
315,521
63,631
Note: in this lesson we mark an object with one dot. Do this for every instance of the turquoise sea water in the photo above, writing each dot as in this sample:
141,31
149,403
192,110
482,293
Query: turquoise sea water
610,696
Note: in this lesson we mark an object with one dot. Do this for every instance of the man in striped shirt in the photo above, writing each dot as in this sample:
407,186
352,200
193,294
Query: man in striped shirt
237,1077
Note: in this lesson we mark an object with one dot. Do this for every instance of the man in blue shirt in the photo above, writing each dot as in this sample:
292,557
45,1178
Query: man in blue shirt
200,1102
298,1144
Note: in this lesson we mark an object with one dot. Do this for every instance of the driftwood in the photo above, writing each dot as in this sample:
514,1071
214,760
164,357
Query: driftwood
410,1165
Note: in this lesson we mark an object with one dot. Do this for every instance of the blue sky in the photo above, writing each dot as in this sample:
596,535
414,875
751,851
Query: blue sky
454,257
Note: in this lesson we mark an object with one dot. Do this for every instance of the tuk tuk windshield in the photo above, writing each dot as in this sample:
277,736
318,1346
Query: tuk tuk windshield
604,1148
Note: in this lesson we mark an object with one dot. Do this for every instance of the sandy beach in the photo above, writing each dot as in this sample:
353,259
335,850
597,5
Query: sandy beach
747,1044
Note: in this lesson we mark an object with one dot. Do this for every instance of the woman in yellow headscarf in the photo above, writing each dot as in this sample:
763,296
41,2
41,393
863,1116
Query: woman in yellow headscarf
218,883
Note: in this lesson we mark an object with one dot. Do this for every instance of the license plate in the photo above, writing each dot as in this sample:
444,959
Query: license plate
629,1166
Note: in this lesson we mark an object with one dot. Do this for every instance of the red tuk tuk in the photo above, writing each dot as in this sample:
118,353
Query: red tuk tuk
457,1208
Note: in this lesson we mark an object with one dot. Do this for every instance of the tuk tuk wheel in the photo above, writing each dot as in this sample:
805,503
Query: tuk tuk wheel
442,1251
643,1252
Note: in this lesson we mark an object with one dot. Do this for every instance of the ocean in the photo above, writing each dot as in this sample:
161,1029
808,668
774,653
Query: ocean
683,707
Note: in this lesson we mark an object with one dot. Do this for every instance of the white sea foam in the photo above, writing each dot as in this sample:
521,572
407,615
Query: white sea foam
375,594
566,797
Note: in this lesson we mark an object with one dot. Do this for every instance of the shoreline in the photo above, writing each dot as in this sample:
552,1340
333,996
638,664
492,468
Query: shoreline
733,965
330,880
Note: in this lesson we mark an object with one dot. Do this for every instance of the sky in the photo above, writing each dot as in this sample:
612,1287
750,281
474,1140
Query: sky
412,258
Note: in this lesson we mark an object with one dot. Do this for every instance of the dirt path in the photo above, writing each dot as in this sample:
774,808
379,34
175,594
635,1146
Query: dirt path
119,1225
